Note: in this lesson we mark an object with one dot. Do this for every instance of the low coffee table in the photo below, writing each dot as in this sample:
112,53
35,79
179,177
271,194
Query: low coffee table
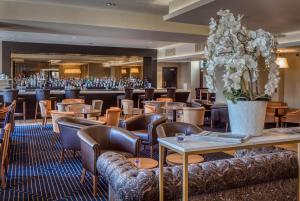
144,163
176,159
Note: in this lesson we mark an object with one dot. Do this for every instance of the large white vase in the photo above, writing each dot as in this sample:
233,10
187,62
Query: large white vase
247,117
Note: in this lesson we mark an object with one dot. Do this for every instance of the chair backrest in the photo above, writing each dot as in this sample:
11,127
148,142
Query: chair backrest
45,106
157,104
113,116
165,99
97,104
149,93
9,95
127,106
149,109
5,144
72,93
42,94
194,115
55,115
72,100
171,92
170,129
274,104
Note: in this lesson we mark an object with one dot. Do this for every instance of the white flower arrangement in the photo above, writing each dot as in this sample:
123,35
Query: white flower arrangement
233,47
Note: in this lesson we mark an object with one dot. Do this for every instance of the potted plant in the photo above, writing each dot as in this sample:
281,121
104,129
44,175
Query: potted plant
237,50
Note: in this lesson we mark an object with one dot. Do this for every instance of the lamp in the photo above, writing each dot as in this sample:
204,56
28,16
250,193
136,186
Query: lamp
72,71
282,62
123,71
134,70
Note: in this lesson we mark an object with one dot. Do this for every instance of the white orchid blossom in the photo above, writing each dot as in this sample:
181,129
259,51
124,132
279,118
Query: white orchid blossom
233,47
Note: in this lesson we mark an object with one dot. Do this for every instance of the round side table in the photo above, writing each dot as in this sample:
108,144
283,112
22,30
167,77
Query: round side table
144,163
176,159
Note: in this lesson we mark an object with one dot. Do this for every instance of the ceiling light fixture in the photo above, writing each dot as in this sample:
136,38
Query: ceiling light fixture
111,4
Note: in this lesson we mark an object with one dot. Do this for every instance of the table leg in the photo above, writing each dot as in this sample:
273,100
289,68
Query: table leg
298,184
185,182
161,172
85,116
174,115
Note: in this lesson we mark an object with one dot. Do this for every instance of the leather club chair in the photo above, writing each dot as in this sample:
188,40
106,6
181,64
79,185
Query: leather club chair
144,126
170,129
68,127
95,140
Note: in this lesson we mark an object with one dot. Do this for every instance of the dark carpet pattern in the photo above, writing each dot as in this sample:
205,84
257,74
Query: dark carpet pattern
36,174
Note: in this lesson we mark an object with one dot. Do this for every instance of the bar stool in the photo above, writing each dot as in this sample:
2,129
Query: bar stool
40,95
128,95
72,93
148,96
9,95
171,93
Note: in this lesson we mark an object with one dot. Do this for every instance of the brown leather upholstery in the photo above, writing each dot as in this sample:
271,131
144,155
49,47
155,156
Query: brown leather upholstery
94,140
170,129
68,127
145,125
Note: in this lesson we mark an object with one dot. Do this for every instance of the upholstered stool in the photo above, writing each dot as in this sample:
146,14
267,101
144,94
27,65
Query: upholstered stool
73,94
128,95
149,95
171,93
40,95
9,96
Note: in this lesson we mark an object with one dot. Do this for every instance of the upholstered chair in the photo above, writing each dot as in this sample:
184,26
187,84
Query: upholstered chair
194,115
77,108
157,104
4,148
270,113
95,140
68,127
170,129
144,126
45,108
72,101
128,108
55,115
164,99
149,109
112,117
292,117
179,113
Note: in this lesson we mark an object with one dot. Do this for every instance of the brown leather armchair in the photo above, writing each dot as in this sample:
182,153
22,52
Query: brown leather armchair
144,126
95,140
170,129
68,127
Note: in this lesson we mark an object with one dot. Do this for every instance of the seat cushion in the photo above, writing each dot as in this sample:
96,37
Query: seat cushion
142,134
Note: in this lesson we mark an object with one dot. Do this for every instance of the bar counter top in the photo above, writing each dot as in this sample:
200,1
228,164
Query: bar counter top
98,91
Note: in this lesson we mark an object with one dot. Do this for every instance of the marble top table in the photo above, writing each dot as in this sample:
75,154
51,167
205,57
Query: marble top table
198,145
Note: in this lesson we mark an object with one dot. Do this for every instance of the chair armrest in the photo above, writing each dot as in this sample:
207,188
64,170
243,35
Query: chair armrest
134,123
123,140
90,150
152,128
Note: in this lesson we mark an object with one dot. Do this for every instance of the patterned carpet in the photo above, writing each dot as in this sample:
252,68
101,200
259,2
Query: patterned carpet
36,174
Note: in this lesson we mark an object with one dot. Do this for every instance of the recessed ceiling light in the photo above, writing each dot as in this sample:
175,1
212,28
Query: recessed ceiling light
111,4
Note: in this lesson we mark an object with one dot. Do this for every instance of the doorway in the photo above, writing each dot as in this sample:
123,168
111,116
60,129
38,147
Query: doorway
169,77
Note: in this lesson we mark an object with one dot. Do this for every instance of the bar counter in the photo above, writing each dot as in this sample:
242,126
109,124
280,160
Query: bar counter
109,97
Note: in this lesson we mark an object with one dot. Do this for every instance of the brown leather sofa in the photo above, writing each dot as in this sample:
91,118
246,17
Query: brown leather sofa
95,140
68,127
170,129
144,126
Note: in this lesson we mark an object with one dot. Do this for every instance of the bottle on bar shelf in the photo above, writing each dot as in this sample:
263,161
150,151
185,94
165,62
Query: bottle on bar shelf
108,83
